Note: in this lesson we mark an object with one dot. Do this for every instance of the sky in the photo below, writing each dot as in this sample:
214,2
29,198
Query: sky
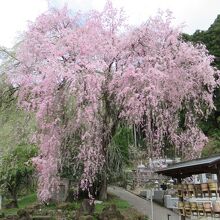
195,14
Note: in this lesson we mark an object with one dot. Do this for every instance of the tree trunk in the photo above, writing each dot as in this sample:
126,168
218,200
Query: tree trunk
103,188
13,192
15,200
110,123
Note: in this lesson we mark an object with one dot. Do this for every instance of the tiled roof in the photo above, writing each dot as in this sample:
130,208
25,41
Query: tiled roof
187,168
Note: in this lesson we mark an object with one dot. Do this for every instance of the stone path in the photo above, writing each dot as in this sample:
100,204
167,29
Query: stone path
143,206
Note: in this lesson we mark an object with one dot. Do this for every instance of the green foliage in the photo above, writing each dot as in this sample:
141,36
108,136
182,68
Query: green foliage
27,200
31,199
16,125
23,202
211,38
16,128
211,127
123,206
118,153
15,171
122,140
6,93
213,147
120,204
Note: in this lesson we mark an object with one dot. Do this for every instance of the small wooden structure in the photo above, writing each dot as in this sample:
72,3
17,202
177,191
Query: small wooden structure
188,168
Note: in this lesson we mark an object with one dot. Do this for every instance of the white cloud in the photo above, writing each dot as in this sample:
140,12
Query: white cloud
196,14
14,15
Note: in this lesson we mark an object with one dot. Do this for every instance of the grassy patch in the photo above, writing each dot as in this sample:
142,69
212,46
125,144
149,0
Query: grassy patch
9,211
123,206
120,204
22,203
27,200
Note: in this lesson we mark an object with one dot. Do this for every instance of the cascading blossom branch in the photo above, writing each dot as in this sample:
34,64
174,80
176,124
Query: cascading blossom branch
146,76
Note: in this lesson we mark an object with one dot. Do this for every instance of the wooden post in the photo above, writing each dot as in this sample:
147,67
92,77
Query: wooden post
181,198
218,178
218,174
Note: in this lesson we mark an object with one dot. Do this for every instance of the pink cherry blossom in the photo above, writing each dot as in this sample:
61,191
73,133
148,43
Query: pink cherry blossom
81,75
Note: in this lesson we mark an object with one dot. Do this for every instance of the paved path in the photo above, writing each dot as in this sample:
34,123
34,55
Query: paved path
143,206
